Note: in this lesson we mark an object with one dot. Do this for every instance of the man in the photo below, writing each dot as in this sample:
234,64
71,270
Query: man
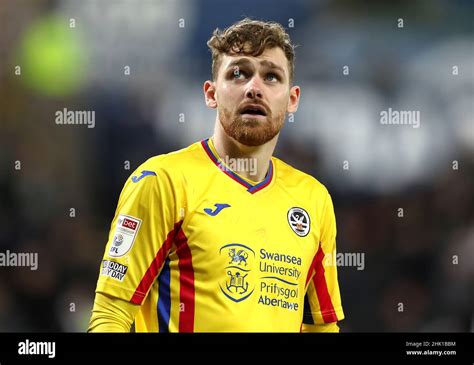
221,236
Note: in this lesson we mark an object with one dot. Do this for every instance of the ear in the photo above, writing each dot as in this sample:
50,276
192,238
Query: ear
293,100
209,89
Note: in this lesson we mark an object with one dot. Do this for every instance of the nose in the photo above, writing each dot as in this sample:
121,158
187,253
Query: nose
253,90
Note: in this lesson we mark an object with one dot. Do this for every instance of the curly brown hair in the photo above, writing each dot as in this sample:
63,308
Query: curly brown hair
250,37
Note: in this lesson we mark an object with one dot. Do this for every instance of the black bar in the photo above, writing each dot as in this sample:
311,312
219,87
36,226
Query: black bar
69,347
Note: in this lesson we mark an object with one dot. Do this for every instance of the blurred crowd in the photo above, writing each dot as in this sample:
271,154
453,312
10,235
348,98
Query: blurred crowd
403,196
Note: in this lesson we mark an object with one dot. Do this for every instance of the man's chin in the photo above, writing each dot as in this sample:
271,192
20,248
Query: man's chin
251,122
253,136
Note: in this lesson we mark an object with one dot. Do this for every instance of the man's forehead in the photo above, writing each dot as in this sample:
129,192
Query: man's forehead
270,56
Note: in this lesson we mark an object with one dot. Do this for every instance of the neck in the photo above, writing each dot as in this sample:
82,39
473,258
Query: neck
254,160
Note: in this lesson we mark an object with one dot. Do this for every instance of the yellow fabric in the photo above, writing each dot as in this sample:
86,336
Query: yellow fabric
111,314
319,312
326,327
192,249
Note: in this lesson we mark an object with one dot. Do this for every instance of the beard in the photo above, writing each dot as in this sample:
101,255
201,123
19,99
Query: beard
249,131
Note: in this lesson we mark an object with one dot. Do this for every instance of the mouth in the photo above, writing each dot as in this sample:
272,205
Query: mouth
253,110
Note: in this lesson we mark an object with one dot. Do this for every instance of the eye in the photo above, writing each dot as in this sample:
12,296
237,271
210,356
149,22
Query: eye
272,77
238,74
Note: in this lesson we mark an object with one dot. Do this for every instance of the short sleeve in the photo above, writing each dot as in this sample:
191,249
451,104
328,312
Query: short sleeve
323,299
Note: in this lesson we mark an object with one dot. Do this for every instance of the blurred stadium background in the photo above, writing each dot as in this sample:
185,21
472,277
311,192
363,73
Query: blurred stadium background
140,66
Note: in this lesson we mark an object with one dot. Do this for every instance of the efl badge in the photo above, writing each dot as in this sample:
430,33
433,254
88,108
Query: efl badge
299,222
124,236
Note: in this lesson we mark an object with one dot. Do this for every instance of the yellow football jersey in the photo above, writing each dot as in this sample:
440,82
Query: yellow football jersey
202,249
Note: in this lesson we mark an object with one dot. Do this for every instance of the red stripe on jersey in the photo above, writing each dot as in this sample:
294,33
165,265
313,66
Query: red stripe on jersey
325,304
311,270
154,267
186,283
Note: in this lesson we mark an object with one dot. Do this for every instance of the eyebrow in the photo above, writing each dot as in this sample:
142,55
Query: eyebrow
266,63
271,64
